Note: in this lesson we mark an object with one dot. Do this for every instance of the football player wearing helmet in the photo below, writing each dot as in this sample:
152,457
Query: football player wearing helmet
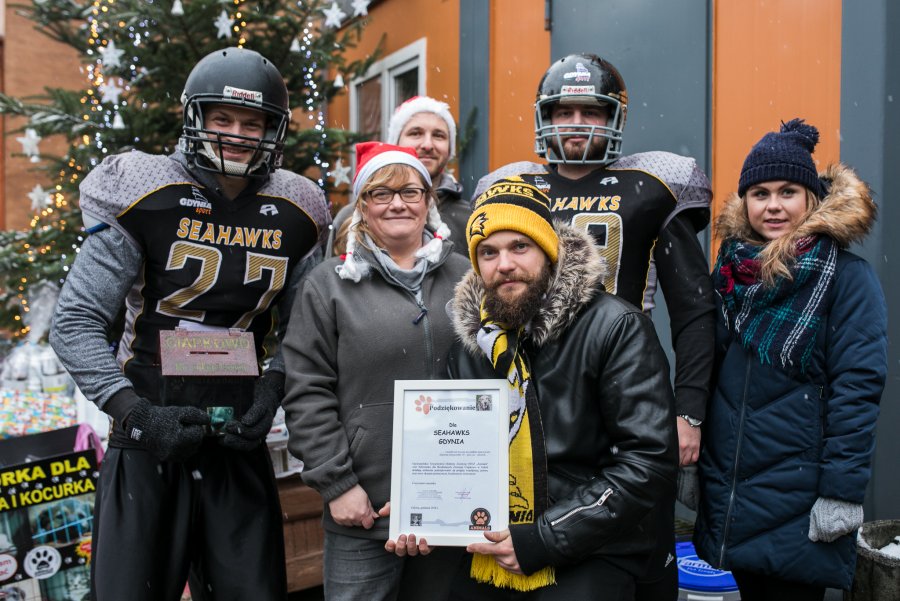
198,248
644,212
580,112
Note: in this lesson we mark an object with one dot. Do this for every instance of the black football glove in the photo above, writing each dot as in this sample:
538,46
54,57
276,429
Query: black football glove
171,433
248,432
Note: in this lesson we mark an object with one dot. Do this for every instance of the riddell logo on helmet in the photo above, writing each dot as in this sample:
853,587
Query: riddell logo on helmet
577,90
239,94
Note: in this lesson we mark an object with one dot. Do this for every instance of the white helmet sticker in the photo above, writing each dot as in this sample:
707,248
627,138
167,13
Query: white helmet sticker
580,73
578,90
248,95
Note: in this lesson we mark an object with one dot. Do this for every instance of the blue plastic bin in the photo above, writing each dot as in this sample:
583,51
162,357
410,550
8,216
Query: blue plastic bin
698,581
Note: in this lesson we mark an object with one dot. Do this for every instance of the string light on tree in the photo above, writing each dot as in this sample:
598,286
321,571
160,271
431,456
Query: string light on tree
309,81
45,205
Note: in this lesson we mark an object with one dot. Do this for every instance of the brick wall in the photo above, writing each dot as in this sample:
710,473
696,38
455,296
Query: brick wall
29,61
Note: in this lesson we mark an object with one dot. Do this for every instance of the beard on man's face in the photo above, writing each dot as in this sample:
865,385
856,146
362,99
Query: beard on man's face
515,310
574,151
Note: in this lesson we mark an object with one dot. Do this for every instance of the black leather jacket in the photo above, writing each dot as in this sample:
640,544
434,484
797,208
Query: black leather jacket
607,410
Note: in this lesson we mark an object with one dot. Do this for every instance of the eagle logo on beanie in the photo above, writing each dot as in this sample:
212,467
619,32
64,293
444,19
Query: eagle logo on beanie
515,205
477,226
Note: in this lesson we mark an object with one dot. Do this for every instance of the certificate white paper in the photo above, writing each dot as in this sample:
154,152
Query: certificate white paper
450,465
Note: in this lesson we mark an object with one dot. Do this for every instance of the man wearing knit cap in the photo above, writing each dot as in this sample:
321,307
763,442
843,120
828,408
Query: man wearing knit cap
592,441
426,125
643,210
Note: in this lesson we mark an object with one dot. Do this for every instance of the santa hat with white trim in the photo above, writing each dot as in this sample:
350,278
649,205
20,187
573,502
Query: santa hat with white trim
370,157
421,104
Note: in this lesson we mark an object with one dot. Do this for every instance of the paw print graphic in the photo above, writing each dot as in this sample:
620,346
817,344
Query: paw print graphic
423,404
480,517
42,562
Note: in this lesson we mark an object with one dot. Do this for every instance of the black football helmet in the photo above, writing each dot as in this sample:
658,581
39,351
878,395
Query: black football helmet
580,79
242,78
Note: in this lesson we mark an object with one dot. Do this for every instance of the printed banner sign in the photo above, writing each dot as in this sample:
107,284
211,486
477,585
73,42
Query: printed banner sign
46,522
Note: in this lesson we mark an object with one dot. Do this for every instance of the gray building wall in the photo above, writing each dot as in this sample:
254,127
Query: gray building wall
870,143
474,94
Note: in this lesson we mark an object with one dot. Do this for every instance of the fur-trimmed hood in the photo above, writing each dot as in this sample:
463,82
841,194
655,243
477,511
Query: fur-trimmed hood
575,281
846,214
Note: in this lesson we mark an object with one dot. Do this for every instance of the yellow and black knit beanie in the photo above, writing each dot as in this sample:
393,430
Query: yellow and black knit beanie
512,204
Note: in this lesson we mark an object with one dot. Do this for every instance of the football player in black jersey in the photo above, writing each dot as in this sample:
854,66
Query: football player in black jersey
644,212
198,247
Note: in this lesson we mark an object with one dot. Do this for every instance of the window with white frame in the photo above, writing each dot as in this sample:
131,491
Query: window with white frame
387,84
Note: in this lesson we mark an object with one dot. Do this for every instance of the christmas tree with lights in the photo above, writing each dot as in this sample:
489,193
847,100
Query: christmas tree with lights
137,55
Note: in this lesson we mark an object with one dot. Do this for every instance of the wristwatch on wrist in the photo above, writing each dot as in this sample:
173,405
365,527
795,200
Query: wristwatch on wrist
692,421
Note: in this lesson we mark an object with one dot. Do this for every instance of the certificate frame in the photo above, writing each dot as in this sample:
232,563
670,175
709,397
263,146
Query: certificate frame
450,460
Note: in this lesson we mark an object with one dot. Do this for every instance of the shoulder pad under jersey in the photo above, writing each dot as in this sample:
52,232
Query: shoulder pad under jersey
122,180
685,179
302,192
518,168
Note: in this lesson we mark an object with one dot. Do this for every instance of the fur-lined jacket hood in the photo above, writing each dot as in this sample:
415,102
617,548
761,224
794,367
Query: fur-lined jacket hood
846,214
575,281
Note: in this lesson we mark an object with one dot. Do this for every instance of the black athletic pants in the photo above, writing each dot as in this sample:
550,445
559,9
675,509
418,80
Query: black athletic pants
216,514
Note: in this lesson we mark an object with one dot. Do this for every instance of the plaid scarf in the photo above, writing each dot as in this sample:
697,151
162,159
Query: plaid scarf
779,322
527,455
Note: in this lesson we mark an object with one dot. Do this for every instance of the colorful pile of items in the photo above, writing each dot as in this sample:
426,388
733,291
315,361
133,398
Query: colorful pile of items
29,412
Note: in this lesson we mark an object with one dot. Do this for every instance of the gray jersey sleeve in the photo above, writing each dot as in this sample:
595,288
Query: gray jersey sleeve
682,175
91,298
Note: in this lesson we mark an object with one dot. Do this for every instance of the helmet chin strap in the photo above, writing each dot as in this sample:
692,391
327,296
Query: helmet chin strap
230,167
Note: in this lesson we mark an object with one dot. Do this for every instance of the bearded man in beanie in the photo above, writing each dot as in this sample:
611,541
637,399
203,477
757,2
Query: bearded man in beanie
593,447
643,211
425,125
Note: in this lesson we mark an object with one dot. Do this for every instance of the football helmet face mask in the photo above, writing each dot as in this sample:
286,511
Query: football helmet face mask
580,79
241,78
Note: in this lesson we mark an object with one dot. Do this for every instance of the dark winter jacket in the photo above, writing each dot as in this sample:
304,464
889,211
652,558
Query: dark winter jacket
347,345
774,440
606,409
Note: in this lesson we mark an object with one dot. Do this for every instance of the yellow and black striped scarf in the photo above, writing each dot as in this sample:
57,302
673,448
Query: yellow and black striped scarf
527,456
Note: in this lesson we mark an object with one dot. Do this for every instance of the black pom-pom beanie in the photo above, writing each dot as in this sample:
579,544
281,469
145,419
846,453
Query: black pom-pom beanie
784,155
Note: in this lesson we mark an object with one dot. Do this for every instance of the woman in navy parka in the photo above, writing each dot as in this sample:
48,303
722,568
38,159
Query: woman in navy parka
802,353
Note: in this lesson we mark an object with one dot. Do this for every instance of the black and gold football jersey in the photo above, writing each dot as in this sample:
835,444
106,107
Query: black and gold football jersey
624,206
208,262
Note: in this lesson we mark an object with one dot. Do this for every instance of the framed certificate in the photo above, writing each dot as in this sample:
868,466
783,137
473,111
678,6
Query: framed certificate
450,465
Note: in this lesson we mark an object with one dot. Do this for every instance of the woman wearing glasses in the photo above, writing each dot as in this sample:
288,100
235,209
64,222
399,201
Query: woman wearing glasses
361,321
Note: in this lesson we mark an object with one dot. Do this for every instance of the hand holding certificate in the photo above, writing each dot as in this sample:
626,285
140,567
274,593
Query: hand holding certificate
450,466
